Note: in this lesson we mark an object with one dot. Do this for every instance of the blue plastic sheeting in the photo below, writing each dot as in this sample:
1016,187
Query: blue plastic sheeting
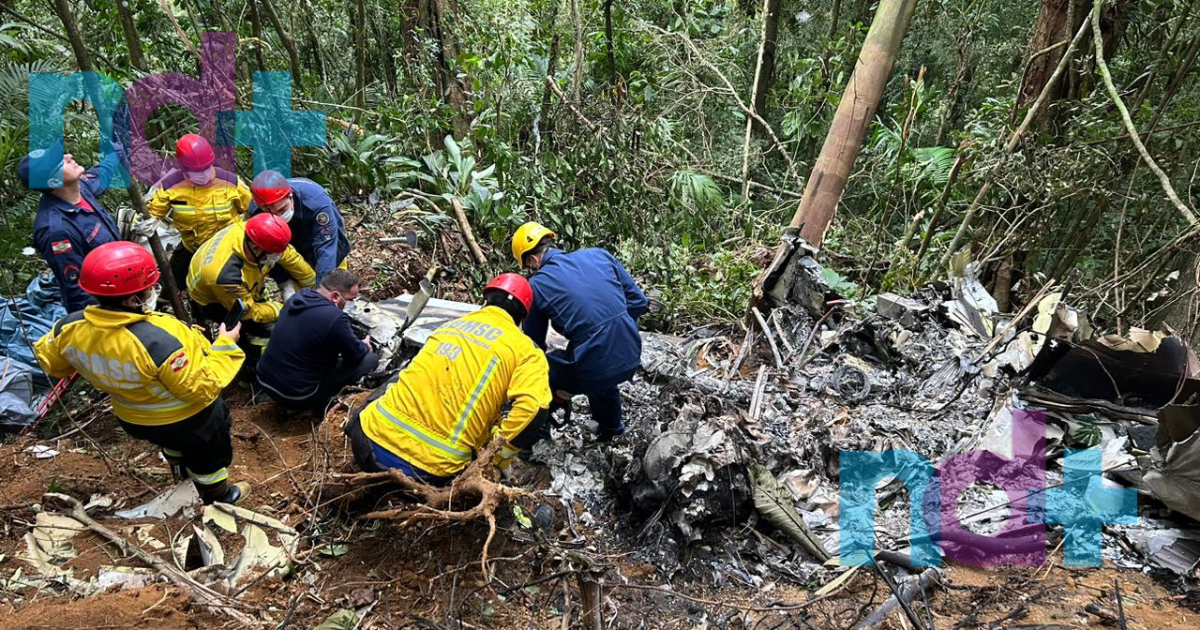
16,394
24,320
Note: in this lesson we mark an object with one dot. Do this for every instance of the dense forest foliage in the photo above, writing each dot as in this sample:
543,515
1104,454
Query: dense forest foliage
626,125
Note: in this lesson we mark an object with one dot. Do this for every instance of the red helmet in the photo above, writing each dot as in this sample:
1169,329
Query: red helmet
269,187
269,232
118,268
194,152
515,285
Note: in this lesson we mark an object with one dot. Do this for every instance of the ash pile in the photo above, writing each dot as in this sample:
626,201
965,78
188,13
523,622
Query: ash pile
730,469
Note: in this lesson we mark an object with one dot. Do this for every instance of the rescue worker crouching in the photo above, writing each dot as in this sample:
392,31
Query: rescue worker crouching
233,265
447,404
314,353
164,378
197,198
593,301
318,230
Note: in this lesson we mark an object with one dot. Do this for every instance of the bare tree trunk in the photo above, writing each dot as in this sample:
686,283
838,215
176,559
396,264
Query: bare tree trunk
456,94
608,47
183,36
577,78
765,69
83,58
360,60
314,42
854,114
383,44
1051,28
257,29
289,43
132,40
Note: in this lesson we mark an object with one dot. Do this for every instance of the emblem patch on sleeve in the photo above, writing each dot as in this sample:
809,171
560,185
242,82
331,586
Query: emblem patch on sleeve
323,218
179,362
61,247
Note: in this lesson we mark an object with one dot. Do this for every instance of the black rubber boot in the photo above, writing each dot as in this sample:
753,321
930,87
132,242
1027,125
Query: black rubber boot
223,492
175,463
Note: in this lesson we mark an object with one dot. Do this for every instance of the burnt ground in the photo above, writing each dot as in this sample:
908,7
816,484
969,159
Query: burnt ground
429,575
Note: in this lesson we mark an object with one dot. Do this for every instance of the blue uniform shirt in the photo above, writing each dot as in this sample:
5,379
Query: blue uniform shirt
64,233
318,231
594,303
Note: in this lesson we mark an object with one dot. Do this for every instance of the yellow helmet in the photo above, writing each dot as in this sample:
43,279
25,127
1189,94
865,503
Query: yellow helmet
527,237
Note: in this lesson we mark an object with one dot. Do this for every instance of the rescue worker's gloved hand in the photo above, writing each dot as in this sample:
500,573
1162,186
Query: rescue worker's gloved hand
148,227
233,333
287,289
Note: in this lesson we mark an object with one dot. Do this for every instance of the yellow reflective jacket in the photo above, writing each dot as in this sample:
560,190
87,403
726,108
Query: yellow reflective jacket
199,211
222,271
155,368
446,403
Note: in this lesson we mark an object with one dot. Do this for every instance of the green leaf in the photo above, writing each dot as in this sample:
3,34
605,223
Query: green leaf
344,619
774,502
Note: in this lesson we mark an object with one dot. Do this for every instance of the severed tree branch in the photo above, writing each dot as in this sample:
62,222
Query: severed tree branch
1134,136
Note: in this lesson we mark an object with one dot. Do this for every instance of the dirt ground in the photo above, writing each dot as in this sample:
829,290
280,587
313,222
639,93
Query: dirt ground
429,576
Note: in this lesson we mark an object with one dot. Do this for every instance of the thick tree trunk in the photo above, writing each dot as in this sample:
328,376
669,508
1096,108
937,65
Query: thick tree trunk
289,43
1056,21
257,29
764,72
854,115
132,39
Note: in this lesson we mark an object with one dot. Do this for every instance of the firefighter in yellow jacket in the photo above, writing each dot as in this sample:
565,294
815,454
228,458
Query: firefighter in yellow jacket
233,265
447,404
163,377
197,198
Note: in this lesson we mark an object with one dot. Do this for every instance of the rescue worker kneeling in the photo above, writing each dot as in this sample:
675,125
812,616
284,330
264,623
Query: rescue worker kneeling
448,403
163,377
233,265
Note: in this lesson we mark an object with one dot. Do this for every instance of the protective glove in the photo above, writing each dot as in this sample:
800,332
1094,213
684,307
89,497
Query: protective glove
147,227
287,289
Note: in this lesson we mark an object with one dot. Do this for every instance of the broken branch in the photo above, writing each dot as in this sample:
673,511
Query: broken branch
203,595
468,234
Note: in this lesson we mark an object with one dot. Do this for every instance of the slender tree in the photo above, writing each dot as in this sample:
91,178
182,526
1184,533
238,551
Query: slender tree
133,41
827,182
289,43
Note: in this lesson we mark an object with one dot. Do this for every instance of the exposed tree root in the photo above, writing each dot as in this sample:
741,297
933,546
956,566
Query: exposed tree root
474,495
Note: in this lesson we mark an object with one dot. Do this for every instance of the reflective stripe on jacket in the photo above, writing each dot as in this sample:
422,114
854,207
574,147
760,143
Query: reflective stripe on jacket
199,211
222,272
156,369
447,403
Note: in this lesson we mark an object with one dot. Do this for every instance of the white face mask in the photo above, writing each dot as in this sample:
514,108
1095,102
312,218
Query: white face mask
271,259
200,178
151,300
287,215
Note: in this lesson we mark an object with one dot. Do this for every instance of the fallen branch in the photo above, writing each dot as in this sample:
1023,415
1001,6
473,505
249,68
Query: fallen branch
468,234
476,482
591,126
762,323
203,595
1134,136
906,592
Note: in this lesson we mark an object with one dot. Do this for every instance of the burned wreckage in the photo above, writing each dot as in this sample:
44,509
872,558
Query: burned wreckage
735,466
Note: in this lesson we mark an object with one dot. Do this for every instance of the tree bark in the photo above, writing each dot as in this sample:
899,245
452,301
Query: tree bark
360,60
577,78
455,92
857,109
257,29
608,46
83,58
183,36
313,42
289,43
132,39
764,72
384,46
